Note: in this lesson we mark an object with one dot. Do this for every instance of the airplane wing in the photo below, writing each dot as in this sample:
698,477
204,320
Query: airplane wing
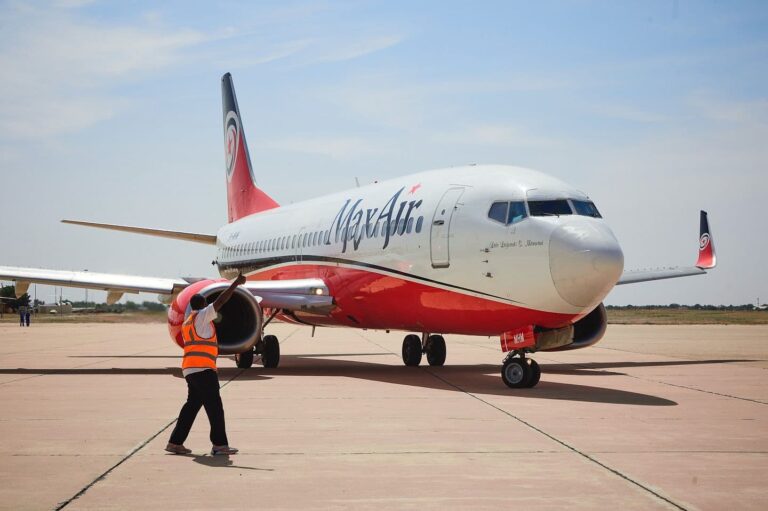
706,261
301,294
115,285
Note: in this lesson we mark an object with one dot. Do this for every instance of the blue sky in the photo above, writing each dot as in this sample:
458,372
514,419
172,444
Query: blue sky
111,112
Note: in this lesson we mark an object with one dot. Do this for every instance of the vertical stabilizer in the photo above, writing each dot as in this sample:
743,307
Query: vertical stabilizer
243,196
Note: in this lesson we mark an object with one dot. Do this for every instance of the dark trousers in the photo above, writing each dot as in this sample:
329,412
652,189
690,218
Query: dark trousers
203,390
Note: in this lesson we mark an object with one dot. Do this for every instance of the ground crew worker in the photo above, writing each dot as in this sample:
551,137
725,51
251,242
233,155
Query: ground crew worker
199,368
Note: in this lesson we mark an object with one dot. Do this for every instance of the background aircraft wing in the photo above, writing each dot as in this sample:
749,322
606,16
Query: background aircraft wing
208,239
115,285
707,260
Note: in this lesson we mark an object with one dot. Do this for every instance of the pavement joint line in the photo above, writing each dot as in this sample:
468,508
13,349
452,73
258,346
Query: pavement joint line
612,470
128,456
548,435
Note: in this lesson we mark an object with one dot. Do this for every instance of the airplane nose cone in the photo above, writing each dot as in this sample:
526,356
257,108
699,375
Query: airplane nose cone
585,262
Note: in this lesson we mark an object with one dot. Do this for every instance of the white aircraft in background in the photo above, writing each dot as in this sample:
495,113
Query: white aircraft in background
486,250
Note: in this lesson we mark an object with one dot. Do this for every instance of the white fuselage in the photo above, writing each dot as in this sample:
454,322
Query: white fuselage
441,236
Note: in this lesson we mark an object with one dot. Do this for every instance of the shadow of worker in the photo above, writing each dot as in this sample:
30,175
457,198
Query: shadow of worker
222,461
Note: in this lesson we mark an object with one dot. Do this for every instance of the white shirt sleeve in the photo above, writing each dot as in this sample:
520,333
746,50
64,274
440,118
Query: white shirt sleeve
203,321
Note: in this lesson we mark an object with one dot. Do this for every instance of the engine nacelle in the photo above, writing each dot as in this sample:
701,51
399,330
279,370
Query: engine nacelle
239,324
585,332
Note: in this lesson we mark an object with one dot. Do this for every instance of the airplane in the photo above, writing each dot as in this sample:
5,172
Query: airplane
485,250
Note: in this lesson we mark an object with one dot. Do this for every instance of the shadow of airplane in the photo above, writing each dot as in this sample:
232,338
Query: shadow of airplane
482,379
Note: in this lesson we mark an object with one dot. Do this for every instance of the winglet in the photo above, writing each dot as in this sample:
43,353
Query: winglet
707,258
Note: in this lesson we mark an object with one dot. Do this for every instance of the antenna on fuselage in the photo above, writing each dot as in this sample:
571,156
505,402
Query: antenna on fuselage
357,182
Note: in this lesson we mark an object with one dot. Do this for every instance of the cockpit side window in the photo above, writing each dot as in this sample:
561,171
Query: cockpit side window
498,212
549,207
585,208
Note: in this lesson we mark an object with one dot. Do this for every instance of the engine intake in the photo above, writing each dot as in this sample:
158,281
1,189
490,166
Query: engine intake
239,323
582,334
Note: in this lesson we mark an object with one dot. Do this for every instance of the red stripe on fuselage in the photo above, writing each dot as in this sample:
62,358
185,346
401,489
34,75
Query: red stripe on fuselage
367,299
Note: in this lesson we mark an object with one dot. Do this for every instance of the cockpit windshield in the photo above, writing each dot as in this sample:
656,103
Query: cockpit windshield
586,208
549,207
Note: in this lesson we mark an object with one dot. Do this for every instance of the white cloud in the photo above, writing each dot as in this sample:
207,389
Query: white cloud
490,134
335,147
719,109
353,49
629,113
58,69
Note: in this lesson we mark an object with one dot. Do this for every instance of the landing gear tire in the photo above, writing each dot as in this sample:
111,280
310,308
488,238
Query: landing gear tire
244,360
535,373
270,357
516,373
435,350
412,350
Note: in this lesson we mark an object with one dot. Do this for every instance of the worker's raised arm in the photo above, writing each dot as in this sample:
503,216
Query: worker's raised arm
226,295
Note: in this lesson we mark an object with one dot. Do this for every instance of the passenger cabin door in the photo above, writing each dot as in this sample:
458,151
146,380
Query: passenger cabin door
440,231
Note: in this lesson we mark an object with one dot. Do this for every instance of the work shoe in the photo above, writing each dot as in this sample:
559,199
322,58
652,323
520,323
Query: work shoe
177,449
223,450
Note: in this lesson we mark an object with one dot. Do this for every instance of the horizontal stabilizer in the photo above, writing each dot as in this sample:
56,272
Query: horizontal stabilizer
207,239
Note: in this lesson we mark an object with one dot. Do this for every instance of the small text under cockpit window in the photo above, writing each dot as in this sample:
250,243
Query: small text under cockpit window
585,208
549,207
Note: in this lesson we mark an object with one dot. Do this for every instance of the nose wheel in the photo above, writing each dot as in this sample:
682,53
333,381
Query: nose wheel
519,372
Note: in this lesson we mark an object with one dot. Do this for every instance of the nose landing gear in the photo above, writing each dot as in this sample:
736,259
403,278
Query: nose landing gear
519,372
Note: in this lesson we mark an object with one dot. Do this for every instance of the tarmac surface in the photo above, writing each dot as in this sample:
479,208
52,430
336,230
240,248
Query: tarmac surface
653,417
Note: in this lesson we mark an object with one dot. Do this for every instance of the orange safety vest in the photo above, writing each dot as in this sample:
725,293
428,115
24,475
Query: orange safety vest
198,351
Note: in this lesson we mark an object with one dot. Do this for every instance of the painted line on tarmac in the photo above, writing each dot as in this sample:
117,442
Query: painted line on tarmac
128,456
612,470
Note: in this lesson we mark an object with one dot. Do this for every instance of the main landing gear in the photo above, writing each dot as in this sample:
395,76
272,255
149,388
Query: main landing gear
519,372
432,345
269,349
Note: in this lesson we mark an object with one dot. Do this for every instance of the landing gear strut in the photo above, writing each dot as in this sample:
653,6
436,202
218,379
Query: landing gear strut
519,372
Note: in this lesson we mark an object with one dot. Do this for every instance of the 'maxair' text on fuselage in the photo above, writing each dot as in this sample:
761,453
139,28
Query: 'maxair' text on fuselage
355,222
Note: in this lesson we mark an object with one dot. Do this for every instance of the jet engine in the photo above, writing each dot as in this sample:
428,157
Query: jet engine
239,322
585,332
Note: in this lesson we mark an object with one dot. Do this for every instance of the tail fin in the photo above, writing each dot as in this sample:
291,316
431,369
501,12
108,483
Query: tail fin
243,196
707,258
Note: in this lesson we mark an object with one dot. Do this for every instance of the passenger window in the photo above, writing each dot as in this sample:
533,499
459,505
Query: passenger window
419,223
549,207
585,208
401,227
409,227
498,212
